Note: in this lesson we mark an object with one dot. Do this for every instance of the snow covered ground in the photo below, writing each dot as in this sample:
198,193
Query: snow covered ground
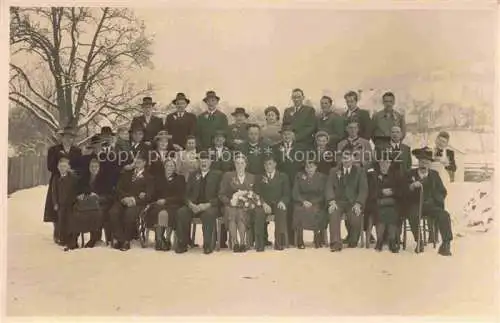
42,280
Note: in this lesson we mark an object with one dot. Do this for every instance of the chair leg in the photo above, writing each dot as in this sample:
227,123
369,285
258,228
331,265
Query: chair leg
404,234
176,240
425,230
83,239
218,223
193,234
287,243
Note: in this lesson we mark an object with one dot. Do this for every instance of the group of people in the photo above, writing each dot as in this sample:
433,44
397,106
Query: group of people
309,171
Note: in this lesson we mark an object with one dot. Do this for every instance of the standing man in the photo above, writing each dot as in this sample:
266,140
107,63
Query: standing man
331,122
150,123
354,113
202,200
384,120
210,121
302,118
180,124
362,150
400,153
254,149
346,193
238,132
433,194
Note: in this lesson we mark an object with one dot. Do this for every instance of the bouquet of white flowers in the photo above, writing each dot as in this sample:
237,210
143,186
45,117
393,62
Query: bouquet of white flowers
246,199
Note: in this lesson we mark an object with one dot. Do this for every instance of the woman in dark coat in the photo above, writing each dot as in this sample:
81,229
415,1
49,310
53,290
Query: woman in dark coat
309,211
169,195
64,148
92,191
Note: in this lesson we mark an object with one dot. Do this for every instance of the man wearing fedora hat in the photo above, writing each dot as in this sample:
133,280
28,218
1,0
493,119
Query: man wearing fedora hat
65,148
151,123
302,118
238,131
210,121
180,124
433,195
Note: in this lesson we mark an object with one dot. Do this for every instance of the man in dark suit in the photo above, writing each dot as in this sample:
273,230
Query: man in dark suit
134,191
238,131
220,154
202,201
346,192
180,124
433,195
274,189
210,121
354,113
255,150
136,146
64,148
150,123
302,118
331,122
290,159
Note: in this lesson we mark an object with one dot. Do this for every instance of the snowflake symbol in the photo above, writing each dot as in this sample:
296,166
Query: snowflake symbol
268,150
255,151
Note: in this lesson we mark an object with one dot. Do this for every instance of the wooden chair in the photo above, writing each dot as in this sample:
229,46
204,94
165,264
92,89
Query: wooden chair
424,230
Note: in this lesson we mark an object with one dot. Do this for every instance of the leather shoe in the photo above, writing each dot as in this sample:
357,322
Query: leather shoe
444,249
236,248
181,249
379,246
335,247
207,250
125,246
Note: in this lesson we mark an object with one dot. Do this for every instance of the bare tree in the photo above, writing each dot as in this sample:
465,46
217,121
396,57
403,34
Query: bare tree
85,54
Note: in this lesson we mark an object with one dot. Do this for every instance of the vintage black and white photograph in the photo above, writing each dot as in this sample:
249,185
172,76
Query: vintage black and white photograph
251,158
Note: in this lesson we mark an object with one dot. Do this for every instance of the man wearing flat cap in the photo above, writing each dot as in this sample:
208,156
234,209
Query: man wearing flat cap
238,132
433,195
302,118
210,121
180,124
151,123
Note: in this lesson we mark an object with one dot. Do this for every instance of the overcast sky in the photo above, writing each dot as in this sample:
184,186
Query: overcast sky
254,57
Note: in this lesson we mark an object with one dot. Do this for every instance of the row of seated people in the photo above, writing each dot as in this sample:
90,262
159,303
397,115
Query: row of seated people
308,200
116,153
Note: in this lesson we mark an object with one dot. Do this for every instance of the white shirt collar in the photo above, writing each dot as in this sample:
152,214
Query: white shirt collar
271,175
423,173
241,178
347,170
204,173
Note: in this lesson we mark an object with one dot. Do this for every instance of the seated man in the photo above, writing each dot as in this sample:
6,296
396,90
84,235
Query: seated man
346,192
202,201
134,191
433,195
274,189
